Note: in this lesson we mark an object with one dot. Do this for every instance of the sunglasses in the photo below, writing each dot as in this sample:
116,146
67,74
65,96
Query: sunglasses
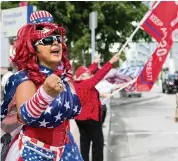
49,40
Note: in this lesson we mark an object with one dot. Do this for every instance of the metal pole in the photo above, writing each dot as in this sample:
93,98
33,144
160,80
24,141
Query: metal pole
92,44
93,22
176,112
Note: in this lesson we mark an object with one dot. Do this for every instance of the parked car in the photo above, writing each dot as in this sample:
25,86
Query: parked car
125,93
170,83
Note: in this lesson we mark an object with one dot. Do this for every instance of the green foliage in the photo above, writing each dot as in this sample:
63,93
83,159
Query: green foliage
114,24
9,4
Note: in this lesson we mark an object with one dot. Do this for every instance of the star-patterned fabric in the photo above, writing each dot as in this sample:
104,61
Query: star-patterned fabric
65,106
69,152
31,152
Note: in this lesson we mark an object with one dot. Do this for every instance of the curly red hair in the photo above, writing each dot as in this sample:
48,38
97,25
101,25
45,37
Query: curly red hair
25,57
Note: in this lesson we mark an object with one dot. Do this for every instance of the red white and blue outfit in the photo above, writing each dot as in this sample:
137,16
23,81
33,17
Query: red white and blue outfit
47,137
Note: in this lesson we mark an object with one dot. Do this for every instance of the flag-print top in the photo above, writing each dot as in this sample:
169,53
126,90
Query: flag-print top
65,106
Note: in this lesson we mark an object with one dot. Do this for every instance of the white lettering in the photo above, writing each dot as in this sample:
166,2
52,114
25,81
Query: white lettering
161,52
163,44
156,20
149,70
164,30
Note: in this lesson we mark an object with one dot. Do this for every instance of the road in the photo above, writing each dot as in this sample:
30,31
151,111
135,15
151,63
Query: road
143,129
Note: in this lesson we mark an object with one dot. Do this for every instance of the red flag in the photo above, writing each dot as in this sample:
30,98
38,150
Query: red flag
23,3
151,70
161,19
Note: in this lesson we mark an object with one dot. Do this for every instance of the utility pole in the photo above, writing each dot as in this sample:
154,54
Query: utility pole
93,23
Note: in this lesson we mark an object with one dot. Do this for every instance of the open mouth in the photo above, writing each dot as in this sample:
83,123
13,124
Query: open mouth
55,52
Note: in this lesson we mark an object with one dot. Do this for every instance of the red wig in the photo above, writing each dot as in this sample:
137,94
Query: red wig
25,57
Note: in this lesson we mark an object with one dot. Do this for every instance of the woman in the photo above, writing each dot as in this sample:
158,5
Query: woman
89,121
43,94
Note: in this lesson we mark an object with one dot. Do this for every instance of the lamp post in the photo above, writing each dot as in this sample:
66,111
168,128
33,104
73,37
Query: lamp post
93,23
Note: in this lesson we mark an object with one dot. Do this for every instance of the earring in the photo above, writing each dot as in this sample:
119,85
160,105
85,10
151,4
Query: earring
61,66
36,60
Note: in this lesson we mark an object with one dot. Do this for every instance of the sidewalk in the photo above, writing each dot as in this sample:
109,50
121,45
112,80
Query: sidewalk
145,97
106,128
76,135
154,93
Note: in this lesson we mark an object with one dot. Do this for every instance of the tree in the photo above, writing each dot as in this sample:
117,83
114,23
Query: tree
9,4
114,24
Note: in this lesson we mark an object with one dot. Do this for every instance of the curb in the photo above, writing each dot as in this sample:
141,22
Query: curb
141,100
106,130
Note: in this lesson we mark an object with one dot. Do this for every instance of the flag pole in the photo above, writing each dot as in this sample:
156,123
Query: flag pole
127,84
137,28
130,38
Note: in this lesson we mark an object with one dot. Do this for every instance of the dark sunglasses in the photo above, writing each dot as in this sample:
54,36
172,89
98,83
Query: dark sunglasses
49,40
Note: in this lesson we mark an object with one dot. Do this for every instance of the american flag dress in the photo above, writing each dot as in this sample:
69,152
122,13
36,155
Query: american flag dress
64,107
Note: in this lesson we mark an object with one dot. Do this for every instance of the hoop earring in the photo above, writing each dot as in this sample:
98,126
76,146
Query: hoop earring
36,60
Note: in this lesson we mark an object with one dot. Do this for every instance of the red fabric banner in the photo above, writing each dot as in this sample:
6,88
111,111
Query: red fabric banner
151,70
161,19
161,24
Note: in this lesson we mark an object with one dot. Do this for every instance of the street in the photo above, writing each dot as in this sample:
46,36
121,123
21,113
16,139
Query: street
143,129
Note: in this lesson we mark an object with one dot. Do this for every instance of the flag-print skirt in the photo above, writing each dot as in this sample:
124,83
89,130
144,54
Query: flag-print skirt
25,148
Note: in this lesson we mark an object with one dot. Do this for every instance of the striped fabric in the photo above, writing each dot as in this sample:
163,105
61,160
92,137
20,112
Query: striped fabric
64,107
41,17
33,149
116,78
24,148
39,103
126,73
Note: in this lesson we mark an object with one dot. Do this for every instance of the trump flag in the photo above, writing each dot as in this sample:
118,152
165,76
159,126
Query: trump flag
162,18
161,24
151,70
